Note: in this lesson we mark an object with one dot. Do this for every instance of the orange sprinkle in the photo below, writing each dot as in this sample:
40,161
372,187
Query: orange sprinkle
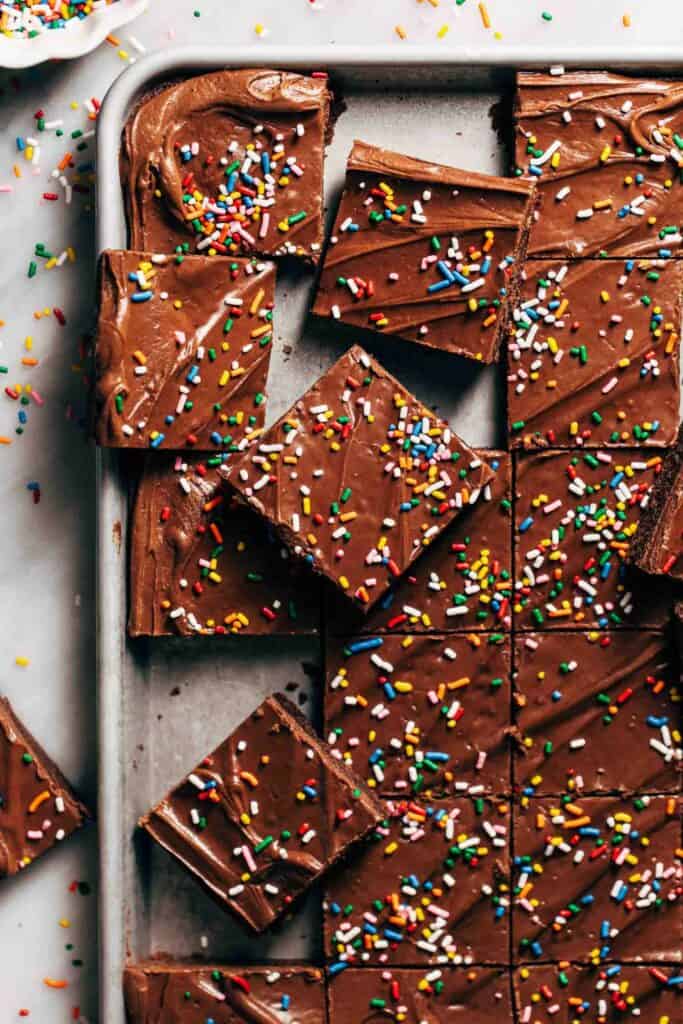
29,361
485,20
64,162
38,800
55,983
626,20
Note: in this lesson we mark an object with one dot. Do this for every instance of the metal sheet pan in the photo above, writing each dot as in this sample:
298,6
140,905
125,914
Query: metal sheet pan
164,703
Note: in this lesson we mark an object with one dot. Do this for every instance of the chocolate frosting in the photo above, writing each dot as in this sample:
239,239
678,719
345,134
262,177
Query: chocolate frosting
200,563
659,542
38,807
425,252
594,356
171,993
462,581
227,115
263,815
576,516
182,351
422,716
478,995
359,477
608,870
613,142
552,995
583,699
433,884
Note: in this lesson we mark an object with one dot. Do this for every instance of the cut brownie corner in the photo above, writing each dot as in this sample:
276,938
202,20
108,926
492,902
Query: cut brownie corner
38,806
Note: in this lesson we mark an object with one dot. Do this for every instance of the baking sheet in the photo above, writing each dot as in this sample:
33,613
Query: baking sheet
164,703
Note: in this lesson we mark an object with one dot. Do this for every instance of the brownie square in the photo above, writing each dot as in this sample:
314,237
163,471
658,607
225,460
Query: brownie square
163,991
607,995
422,716
583,699
202,564
576,515
264,815
425,252
659,543
38,807
430,887
598,879
359,477
182,351
594,355
464,579
604,152
228,163
478,995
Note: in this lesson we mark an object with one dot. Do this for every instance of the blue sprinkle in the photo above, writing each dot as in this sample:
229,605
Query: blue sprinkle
364,645
142,296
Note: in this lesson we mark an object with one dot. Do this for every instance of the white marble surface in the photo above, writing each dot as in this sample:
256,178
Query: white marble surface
46,550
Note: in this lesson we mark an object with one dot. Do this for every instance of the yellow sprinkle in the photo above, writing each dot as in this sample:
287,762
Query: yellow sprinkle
21,660
442,32
626,20
256,302
401,32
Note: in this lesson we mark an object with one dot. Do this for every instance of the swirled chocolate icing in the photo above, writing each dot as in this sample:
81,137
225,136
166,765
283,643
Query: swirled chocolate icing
182,353
425,252
172,993
230,163
593,357
606,151
203,564
477,995
264,814
359,477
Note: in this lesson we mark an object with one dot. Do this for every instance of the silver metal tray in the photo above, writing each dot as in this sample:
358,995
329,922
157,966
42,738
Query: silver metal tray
164,703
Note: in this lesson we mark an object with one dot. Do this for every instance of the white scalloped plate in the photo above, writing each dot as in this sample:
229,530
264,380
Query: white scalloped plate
80,36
